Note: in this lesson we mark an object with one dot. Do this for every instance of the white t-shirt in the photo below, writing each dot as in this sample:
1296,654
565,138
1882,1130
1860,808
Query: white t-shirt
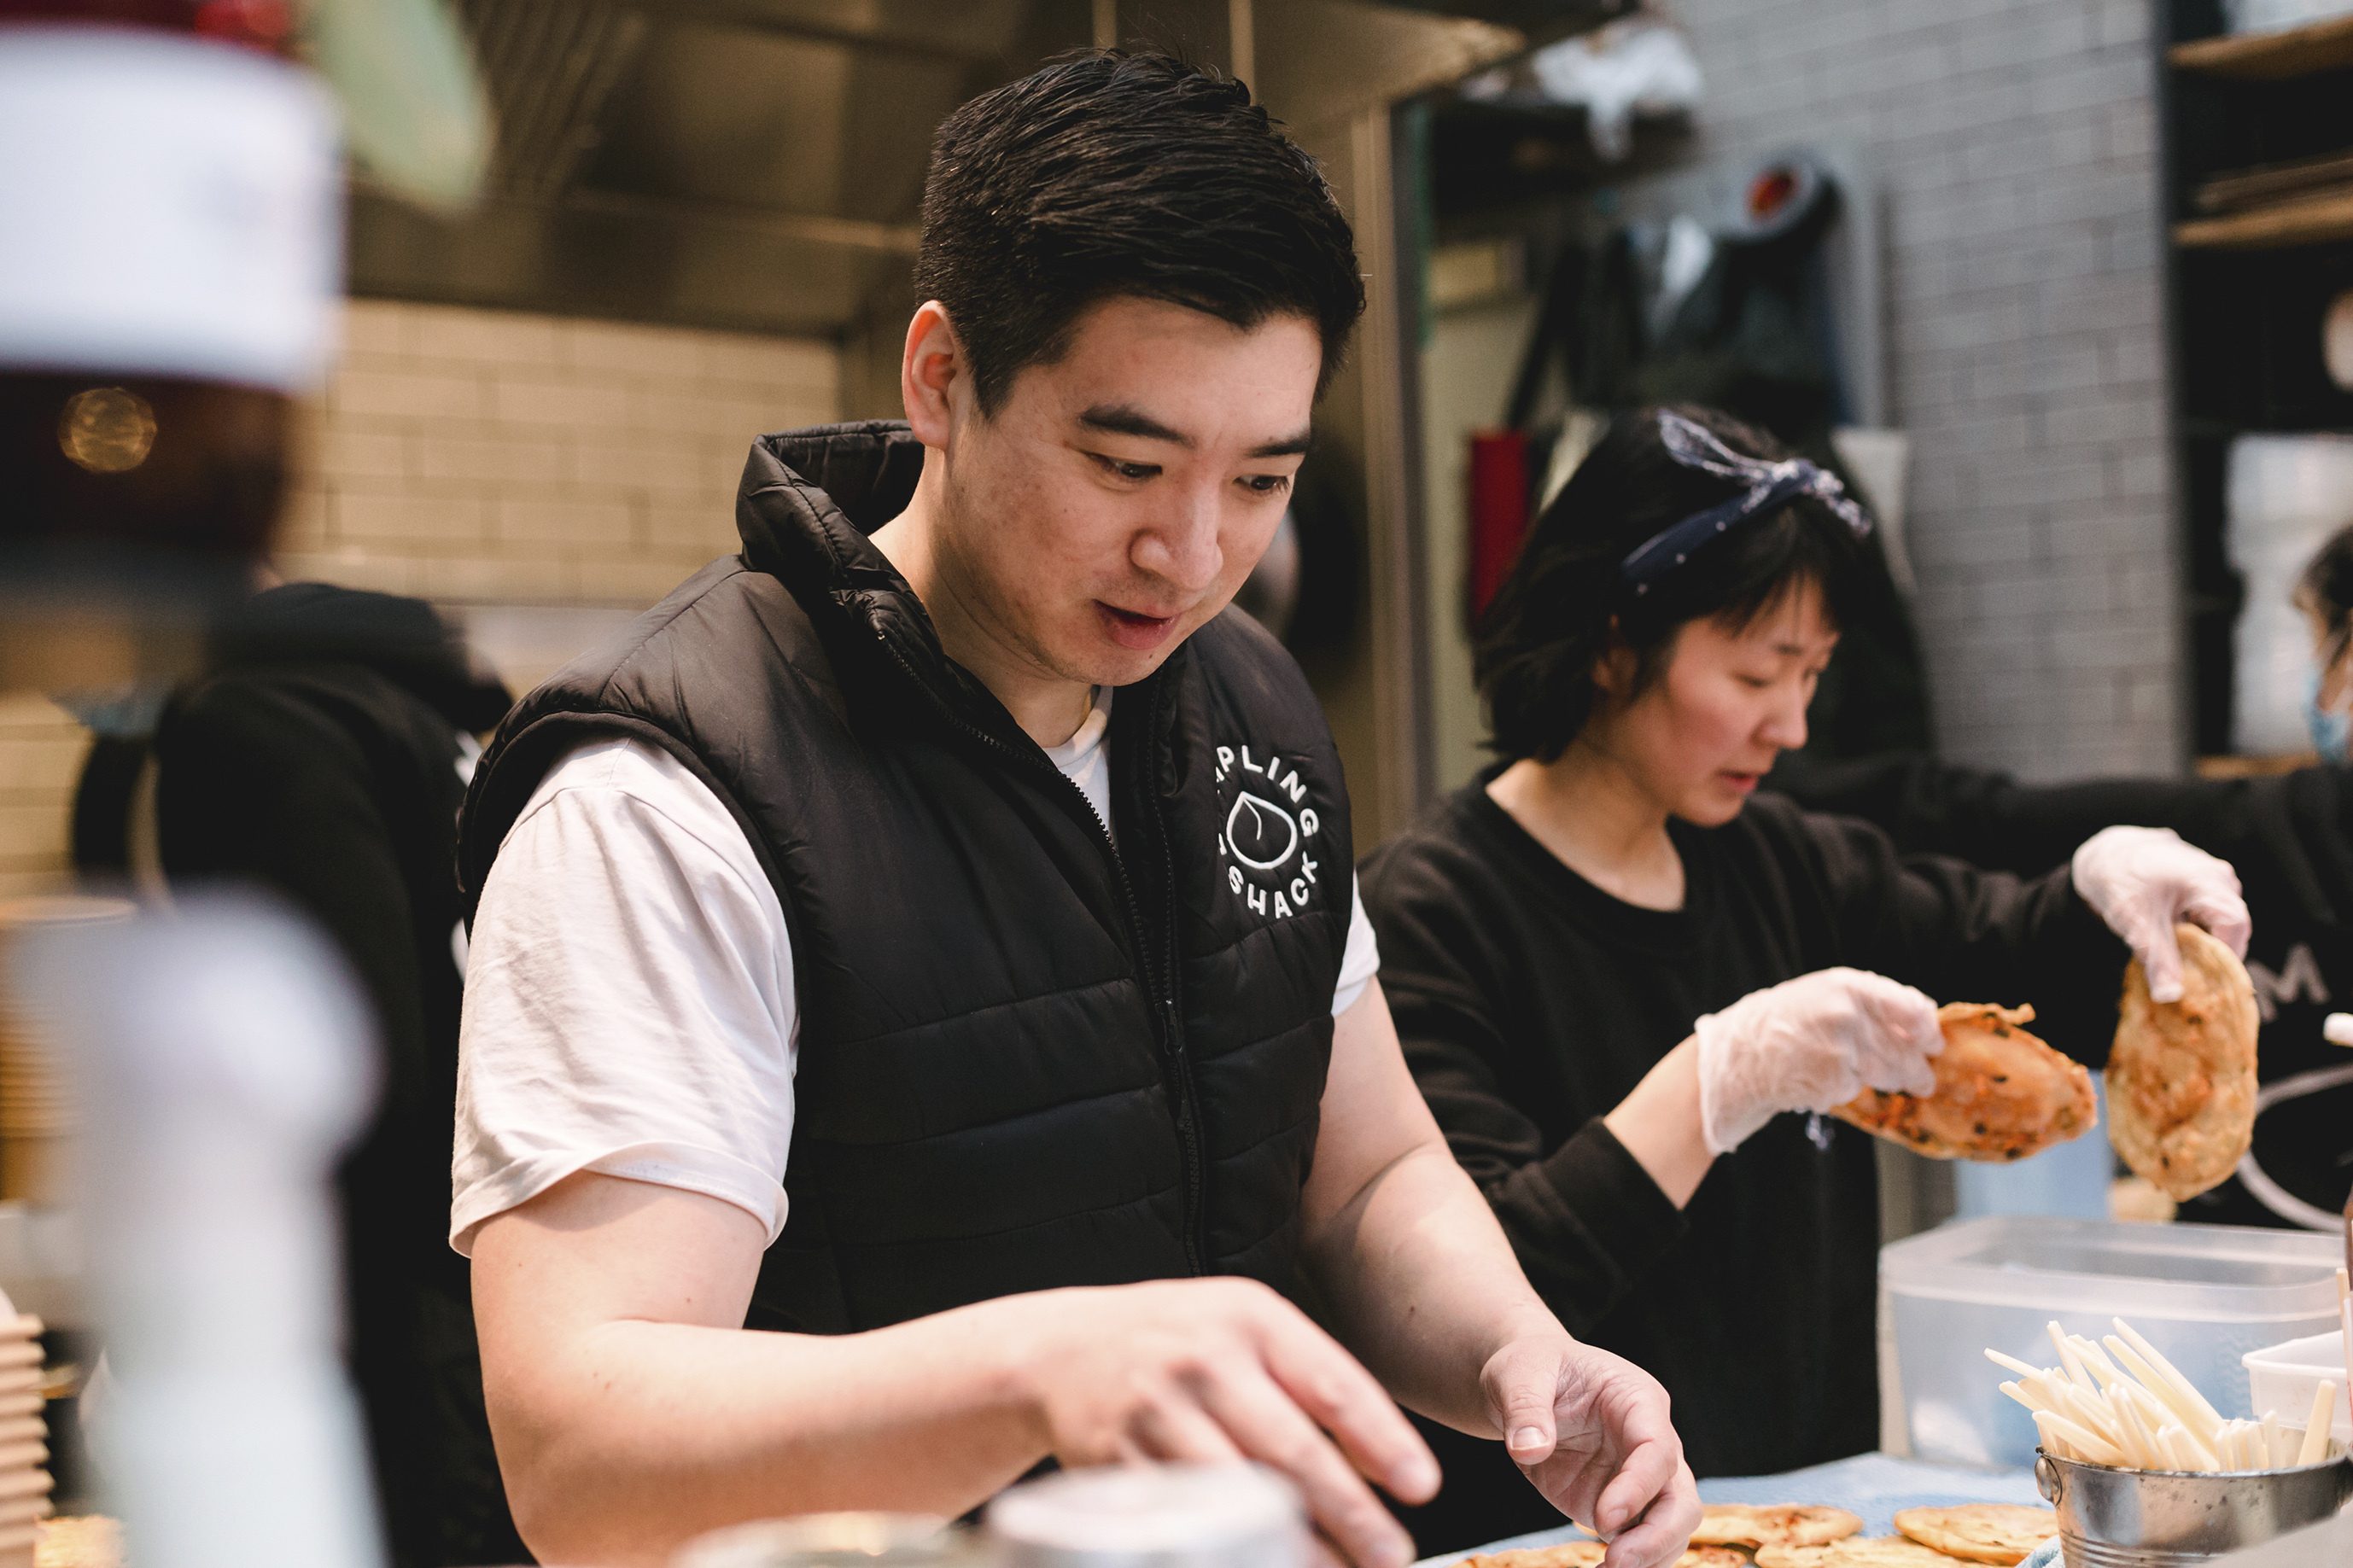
630,1004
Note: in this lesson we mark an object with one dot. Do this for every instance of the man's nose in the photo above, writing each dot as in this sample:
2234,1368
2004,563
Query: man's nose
1181,546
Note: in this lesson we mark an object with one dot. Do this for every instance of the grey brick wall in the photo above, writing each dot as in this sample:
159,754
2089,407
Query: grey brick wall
2015,144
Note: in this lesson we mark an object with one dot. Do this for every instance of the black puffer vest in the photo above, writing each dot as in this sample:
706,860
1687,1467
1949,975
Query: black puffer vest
1028,1058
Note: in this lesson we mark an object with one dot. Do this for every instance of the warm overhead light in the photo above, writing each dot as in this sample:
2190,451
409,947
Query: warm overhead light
108,430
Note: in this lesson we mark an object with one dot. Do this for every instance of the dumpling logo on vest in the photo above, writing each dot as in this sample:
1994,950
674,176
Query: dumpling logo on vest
1268,828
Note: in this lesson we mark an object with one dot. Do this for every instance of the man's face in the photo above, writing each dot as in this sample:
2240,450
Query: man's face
1120,495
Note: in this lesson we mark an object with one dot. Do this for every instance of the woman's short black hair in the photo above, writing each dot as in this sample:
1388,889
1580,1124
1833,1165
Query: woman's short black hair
1105,174
2325,592
1538,644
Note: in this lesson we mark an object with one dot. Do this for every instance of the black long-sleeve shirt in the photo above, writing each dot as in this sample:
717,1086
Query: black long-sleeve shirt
1530,1003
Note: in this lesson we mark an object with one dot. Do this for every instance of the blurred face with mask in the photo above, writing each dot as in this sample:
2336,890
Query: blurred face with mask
2325,594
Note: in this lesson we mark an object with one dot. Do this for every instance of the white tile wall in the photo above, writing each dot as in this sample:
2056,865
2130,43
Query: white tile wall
41,749
491,457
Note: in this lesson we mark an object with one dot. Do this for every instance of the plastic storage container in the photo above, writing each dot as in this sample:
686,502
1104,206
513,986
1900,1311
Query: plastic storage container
2205,1295
2283,1378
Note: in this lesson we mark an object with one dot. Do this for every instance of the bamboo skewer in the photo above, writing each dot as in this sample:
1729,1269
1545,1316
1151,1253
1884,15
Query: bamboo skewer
2315,1428
2164,1369
2073,1362
2189,1412
2122,1403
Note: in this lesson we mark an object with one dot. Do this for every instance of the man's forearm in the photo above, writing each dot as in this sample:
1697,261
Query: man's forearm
630,1413
1424,1285
637,1435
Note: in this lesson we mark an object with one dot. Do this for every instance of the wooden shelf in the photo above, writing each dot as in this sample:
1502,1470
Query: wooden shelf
2268,185
2238,767
2271,56
2316,220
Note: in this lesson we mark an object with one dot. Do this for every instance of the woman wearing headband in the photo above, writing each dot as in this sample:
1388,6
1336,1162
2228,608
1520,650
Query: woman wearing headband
1614,967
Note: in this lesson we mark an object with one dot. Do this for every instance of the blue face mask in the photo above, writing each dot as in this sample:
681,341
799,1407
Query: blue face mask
126,712
2332,731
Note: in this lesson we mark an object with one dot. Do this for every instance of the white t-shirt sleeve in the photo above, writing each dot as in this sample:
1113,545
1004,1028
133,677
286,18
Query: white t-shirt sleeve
1360,961
629,1005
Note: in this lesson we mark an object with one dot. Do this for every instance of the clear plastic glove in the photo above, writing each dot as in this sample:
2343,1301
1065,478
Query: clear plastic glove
1811,1044
2143,881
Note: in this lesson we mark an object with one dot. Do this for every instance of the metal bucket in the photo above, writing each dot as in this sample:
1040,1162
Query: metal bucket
2169,1519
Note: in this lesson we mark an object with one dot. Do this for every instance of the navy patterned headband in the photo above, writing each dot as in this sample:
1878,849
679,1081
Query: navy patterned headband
1766,485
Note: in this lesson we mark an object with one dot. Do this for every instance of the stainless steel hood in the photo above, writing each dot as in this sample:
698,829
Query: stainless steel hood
750,163
757,165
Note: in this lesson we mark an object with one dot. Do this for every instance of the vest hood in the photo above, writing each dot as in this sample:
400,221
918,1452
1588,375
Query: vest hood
806,503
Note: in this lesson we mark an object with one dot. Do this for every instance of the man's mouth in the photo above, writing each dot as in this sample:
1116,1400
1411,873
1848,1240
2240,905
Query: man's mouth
1134,629
1740,781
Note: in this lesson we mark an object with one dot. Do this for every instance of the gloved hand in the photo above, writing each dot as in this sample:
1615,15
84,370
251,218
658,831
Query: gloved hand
2143,881
1811,1044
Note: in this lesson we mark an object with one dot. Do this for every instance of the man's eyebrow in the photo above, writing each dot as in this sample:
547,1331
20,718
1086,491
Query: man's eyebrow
1121,419
1290,446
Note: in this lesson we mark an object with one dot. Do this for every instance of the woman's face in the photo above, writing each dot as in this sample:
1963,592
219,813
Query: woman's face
1700,737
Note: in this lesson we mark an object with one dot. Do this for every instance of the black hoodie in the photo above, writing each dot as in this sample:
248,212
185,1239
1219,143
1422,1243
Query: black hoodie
320,756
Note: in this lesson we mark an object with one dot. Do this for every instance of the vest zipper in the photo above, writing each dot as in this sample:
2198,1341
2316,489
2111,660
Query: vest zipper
1164,998
1188,1102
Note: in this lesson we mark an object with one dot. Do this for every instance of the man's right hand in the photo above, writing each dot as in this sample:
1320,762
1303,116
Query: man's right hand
1211,1370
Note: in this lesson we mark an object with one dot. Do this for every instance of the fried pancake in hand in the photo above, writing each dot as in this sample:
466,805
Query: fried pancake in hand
2181,1075
2001,1094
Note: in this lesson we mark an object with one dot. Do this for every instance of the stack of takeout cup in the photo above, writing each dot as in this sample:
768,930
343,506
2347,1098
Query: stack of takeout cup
39,1116
24,1438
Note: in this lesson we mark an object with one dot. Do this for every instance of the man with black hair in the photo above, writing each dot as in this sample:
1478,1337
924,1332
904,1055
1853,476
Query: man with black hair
928,935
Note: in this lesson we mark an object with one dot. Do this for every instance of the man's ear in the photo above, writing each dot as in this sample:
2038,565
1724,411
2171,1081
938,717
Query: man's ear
930,370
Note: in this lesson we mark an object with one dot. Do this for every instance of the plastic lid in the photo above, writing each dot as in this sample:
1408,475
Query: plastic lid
1169,1516
2215,1273
828,1540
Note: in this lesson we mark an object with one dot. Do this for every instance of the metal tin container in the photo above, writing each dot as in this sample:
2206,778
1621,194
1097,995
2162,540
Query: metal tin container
1150,1516
2111,1517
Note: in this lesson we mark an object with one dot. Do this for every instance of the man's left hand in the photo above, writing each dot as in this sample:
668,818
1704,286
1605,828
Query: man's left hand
1592,1432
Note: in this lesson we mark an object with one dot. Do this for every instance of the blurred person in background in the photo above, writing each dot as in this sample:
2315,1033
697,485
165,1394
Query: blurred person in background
1612,966
323,755
928,936
2289,837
